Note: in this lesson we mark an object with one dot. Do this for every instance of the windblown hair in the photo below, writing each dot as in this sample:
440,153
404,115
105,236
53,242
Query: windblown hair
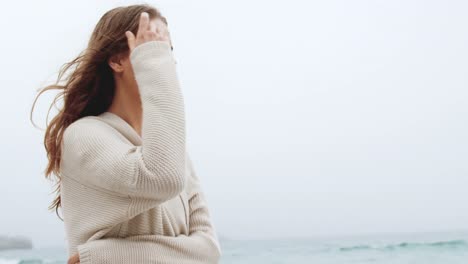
86,83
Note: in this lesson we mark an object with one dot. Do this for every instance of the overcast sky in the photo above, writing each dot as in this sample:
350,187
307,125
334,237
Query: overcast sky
304,118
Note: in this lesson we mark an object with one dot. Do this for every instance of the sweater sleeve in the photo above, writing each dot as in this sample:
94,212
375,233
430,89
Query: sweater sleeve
151,249
201,246
200,217
156,169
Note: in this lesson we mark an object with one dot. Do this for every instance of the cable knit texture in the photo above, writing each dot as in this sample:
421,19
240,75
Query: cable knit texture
131,199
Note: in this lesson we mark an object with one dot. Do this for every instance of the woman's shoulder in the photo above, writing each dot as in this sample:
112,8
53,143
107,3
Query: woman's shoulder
88,127
87,124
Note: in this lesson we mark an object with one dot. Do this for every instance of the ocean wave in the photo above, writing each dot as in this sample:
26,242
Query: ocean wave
451,244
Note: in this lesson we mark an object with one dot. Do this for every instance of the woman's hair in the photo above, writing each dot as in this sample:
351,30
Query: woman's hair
88,87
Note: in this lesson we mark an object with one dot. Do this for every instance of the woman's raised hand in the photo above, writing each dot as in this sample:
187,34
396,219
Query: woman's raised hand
147,31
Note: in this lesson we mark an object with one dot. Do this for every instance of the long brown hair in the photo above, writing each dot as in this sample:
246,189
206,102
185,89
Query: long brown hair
88,89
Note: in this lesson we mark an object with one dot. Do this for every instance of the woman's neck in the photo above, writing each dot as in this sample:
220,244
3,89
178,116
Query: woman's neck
127,104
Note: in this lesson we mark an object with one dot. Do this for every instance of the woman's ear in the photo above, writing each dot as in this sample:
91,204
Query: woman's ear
116,63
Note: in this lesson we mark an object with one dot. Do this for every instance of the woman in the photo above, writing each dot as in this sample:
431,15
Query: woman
126,184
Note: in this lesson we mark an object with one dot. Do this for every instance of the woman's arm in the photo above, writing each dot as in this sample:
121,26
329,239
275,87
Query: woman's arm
156,169
200,246
197,248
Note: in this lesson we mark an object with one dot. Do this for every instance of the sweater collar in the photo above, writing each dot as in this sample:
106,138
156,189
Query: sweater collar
122,126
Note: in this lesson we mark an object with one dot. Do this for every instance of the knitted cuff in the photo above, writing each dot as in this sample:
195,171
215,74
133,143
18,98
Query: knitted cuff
84,253
154,48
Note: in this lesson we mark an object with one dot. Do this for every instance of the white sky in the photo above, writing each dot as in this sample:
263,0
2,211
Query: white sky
304,118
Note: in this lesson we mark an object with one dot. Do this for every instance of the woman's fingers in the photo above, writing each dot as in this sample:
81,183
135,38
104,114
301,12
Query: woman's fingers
153,26
162,31
74,259
143,25
130,40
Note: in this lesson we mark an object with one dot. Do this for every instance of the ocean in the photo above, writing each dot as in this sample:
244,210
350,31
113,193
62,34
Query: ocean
410,248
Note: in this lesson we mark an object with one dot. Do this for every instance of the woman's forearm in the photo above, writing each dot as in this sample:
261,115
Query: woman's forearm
200,246
197,248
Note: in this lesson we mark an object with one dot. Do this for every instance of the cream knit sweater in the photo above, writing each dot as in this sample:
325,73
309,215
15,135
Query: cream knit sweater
131,199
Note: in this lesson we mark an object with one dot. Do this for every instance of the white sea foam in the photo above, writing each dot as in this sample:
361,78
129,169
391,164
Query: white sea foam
9,261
